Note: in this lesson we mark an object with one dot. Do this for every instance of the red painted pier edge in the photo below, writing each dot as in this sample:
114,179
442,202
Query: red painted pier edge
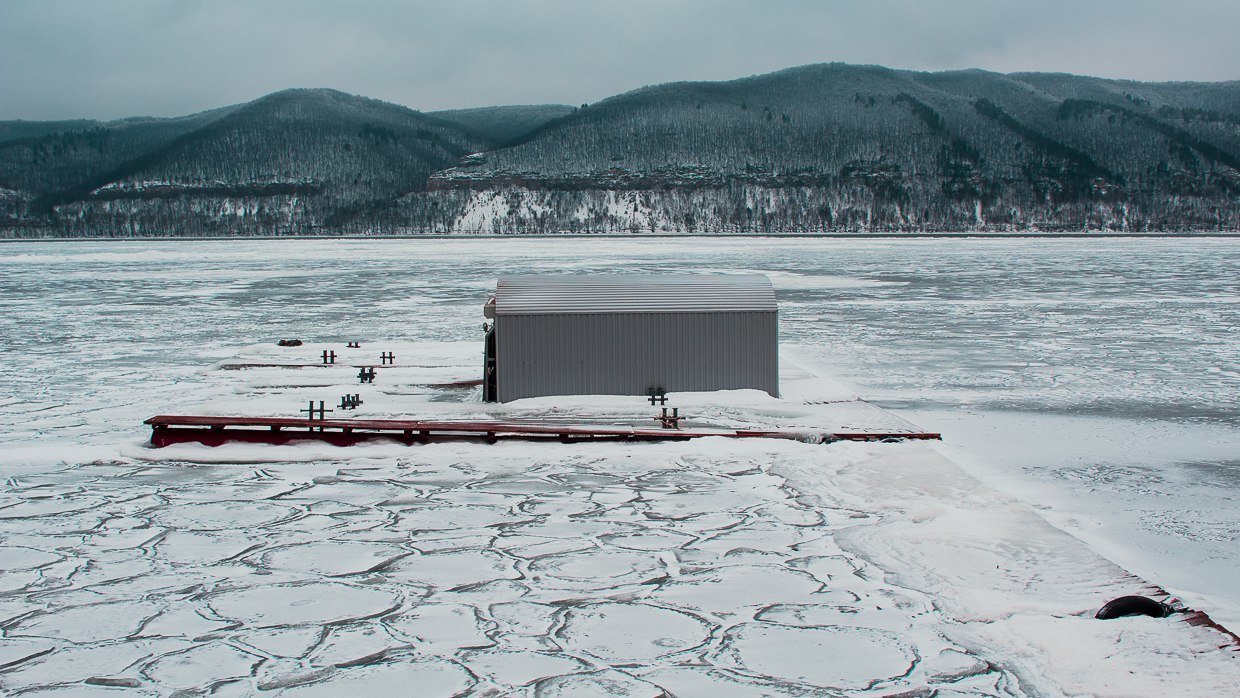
214,431
1230,642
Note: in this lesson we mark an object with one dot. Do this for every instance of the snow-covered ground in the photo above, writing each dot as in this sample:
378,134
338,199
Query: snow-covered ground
1090,384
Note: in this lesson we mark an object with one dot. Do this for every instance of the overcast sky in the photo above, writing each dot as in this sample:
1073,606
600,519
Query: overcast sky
106,59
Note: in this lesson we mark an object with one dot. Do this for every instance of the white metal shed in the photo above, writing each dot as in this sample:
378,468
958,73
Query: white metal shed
591,334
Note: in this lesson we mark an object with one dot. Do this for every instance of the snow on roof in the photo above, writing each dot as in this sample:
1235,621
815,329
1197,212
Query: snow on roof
633,293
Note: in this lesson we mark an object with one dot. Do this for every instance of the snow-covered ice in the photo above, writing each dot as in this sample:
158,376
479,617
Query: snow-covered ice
712,567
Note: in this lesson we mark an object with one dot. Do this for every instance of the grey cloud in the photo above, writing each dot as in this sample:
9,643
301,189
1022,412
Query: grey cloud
113,58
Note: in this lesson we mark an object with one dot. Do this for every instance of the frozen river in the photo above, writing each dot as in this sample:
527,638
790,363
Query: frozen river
1096,379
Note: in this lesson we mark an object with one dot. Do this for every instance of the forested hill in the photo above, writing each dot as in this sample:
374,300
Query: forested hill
814,149
504,125
297,161
839,147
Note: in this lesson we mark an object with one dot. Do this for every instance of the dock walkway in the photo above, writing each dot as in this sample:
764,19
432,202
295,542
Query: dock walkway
216,430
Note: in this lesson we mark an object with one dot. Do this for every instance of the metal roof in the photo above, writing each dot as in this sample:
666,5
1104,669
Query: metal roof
633,293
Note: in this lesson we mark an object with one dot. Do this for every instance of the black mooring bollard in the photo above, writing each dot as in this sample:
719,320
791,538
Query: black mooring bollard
311,411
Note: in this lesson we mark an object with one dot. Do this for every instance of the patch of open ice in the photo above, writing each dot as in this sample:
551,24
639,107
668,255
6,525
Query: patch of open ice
721,683
432,517
524,617
282,642
17,650
332,558
395,676
301,604
598,683
181,619
218,516
732,589
631,632
355,644
596,568
653,540
87,623
442,627
851,659
485,593
521,668
452,569
76,664
33,507
14,558
201,666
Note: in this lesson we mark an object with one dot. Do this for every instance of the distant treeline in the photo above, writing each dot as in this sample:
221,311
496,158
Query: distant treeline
824,148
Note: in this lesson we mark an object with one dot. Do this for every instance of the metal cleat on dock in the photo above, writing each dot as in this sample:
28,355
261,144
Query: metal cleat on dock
669,421
311,411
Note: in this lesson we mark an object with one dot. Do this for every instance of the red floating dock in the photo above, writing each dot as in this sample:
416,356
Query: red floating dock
214,431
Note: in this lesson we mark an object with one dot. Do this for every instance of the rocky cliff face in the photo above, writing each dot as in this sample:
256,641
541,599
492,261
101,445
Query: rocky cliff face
827,148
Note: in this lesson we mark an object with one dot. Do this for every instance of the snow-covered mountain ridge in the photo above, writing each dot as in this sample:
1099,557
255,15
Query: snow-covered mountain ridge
822,148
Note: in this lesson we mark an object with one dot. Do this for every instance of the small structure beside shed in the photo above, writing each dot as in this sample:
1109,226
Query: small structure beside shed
592,334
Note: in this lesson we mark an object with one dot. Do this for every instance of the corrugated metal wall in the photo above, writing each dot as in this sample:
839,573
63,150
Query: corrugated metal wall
628,353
